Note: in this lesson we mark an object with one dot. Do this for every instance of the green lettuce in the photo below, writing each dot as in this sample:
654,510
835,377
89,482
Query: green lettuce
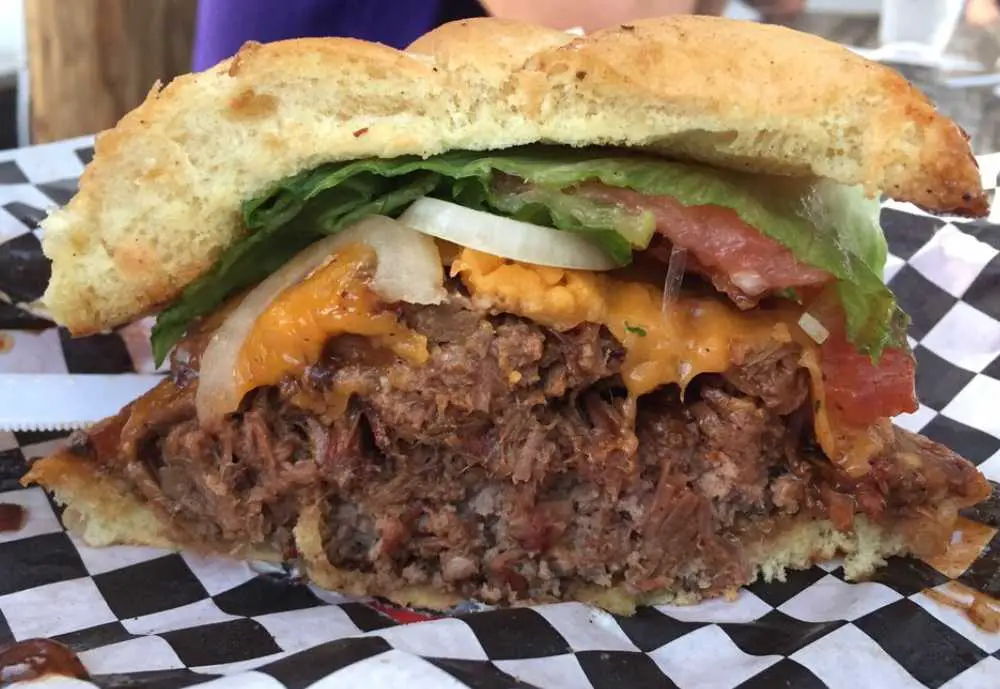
824,225
288,230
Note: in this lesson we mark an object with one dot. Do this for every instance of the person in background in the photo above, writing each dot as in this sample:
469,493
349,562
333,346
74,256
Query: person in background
777,11
981,34
983,13
224,25
591,15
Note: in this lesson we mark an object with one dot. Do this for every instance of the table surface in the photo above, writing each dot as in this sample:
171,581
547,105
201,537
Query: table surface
974,104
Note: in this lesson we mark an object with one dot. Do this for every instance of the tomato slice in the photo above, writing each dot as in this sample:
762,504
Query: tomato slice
745,264
728,250
859,392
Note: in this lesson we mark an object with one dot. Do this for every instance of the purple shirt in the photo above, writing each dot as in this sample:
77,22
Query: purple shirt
224,25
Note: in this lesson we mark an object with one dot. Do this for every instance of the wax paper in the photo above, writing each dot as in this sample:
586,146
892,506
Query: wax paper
142,617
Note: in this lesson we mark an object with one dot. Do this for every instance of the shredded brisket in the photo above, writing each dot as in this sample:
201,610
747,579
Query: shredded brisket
512,464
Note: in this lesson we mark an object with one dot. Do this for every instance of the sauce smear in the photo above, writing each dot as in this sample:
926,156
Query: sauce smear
980,609
11,516
967,544
36,658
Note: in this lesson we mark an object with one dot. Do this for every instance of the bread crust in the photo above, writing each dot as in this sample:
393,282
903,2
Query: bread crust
103,513
161,199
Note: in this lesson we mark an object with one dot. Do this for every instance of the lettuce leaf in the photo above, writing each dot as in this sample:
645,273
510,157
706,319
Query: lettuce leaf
264,251
822,224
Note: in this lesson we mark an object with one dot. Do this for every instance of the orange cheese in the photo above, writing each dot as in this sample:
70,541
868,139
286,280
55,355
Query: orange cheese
665,343
334,300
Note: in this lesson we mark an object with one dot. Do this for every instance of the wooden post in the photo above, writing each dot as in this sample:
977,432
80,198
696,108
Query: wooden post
91,61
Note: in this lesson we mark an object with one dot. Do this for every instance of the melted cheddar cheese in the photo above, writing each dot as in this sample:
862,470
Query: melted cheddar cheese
333,300
665,342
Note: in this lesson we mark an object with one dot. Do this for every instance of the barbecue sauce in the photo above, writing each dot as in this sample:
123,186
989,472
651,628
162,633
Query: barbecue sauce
980,609
12,516
35,658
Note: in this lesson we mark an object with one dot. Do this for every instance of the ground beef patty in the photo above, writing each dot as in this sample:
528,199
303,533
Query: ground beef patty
512,464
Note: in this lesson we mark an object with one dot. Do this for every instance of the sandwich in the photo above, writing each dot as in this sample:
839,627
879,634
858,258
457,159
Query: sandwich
515,316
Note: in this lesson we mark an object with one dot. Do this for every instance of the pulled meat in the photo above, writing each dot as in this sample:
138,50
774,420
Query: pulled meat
772,375
513,465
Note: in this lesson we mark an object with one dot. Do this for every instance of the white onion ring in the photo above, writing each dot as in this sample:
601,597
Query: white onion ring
503,237
409,269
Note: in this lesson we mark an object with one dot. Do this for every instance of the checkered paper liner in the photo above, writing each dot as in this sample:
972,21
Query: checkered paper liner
147,618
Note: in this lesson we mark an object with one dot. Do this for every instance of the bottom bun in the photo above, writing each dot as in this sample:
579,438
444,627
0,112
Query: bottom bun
103,512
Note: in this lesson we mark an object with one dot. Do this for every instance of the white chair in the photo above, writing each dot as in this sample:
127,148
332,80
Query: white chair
918,31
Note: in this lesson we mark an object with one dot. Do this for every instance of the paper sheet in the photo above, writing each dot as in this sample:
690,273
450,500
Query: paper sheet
155,618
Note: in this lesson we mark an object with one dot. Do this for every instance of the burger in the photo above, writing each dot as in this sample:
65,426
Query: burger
515,316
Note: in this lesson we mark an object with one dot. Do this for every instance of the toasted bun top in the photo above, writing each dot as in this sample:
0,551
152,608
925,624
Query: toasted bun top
161,199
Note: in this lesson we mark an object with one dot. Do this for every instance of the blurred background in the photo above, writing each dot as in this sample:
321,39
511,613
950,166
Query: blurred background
73,67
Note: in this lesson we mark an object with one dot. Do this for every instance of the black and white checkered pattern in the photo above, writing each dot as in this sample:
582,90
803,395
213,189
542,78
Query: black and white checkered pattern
149,618
32,181
947,277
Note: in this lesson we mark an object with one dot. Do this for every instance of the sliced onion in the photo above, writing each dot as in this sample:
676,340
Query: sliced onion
813,328
503,237
675,276
749,281
409,263
409,269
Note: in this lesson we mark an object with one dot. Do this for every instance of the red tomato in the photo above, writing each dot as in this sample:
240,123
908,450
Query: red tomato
745,264
859,392
720,242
